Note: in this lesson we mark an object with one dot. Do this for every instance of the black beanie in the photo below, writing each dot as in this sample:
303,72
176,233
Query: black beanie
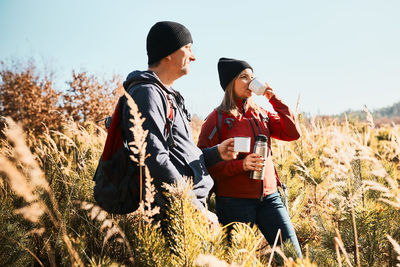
229,68
164,38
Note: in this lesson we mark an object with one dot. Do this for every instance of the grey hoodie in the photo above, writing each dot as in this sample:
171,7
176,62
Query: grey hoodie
167,164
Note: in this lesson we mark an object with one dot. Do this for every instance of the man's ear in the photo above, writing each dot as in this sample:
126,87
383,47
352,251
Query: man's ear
168,58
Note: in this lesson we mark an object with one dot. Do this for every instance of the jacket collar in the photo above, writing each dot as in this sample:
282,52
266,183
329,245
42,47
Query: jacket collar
240,103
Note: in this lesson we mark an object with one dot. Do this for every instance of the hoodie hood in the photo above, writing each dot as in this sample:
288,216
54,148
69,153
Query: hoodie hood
139,76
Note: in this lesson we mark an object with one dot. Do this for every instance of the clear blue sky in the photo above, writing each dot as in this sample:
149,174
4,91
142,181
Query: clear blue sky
337,54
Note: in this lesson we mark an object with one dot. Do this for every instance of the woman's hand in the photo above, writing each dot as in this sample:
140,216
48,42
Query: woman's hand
269,92
253,162
226,149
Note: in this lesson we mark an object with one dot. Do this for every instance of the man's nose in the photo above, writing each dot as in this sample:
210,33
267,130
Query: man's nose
192,57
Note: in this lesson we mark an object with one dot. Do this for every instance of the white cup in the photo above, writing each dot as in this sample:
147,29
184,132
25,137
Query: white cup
257,86
242,144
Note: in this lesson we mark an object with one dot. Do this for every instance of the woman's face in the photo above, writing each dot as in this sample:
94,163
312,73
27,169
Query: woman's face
241,84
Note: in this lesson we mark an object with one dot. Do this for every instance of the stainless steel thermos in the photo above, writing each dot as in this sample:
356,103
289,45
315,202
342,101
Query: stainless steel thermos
261,148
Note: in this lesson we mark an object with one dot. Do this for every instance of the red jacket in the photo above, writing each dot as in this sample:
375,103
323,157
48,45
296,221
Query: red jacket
229,177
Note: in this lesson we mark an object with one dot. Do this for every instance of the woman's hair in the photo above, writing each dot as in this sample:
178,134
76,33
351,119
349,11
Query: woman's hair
228,103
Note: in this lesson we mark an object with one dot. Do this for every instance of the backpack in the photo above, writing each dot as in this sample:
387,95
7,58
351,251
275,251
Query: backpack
118,186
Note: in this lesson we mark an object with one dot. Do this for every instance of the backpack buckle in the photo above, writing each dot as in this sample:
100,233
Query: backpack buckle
229,121
107,122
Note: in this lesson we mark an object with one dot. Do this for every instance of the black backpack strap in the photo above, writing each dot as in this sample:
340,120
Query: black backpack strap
284,189
256,123
219,126
210,137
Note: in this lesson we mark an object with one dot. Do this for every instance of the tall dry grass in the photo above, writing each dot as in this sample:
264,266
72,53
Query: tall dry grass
343,190
28,182
343,179
50,194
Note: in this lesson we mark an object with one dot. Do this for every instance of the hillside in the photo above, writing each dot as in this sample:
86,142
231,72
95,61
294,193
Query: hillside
381,116
392,111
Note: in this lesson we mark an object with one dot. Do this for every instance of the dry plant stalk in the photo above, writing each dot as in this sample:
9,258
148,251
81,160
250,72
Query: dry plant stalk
339,243
391,194
353,220
25,248
139,144
370,119
145,211
212,261
138,148
339,259
396,247
245,240
108,225
27,180
274,247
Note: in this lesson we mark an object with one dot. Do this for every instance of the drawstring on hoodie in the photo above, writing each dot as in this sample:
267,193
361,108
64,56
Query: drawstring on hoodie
181,108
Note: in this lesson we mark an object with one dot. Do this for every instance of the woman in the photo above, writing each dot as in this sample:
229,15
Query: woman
238,197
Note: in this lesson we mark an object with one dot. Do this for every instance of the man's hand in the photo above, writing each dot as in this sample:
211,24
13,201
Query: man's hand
226,149
212,219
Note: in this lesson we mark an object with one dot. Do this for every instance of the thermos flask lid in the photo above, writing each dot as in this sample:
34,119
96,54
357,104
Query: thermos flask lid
261,138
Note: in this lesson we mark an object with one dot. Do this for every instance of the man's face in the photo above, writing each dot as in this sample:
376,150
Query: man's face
181,58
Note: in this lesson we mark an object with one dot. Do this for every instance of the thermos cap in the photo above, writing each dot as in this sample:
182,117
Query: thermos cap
261,138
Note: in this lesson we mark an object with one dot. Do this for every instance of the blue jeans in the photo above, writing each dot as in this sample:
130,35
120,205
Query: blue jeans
269,214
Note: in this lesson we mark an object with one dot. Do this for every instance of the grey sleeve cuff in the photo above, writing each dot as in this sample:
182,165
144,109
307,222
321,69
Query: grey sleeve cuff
211,156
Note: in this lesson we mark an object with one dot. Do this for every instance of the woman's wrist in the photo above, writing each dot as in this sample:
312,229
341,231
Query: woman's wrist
269,93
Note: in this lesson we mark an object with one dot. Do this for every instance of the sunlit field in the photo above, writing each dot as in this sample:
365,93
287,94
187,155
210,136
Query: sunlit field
344,201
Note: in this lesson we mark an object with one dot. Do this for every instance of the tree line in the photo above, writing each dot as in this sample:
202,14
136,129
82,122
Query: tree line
32,98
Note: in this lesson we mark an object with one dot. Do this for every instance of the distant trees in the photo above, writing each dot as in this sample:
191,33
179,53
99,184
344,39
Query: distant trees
88,99
27,97
392,111
31,98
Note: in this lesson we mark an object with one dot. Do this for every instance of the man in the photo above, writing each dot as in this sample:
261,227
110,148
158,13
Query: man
173,155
